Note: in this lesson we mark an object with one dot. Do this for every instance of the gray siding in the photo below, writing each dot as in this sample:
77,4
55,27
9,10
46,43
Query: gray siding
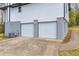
50,29
61,28
36,28
12,28
46,25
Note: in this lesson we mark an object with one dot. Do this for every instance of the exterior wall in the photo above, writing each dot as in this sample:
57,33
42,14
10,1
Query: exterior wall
5,19
52,29
38,11
44,13
62,27
66,11
12,29
65,28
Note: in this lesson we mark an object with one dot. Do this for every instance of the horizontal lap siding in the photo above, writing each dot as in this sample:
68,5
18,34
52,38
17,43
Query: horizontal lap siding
44,13
38,11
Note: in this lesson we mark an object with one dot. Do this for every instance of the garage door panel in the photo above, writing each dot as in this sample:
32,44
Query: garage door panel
27,30
47,30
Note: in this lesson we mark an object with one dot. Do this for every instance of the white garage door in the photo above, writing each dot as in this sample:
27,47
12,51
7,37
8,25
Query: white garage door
47,30
27,30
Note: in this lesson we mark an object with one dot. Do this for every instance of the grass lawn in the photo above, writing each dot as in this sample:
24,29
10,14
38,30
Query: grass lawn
2,36
70,30
76,29
74,52
67,38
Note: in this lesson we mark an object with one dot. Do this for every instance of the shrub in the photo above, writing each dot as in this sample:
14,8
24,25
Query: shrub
1,28
67,38
72,18
77,18
2,36
74,52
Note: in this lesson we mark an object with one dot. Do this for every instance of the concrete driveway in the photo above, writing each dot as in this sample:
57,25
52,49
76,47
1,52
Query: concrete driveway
24,46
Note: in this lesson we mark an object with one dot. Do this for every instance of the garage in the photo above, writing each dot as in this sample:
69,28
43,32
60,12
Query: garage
47,29
27,30
37,20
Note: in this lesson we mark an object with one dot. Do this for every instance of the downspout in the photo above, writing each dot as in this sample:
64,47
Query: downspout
8,12
60,25
64,9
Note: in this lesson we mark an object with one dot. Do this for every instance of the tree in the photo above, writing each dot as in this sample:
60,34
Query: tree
77,18
69,6
72,18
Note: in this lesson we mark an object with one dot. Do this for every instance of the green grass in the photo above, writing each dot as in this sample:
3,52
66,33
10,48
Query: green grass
74,52
67,38
70,30
2,36
1,28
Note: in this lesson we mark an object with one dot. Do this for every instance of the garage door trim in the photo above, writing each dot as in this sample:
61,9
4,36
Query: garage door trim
34,28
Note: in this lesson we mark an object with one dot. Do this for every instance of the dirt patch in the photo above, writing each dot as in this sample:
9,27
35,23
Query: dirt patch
29,46
72,44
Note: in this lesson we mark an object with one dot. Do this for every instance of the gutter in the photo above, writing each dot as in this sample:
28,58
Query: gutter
64,9
13,5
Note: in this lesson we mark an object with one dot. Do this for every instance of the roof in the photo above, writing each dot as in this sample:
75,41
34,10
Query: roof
13,5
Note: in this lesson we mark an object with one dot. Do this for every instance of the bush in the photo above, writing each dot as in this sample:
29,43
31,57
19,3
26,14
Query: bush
72,18
1,28
77,18
2,36
67,38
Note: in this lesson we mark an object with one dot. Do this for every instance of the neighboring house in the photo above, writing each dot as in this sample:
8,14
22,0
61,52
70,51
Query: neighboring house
48,20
